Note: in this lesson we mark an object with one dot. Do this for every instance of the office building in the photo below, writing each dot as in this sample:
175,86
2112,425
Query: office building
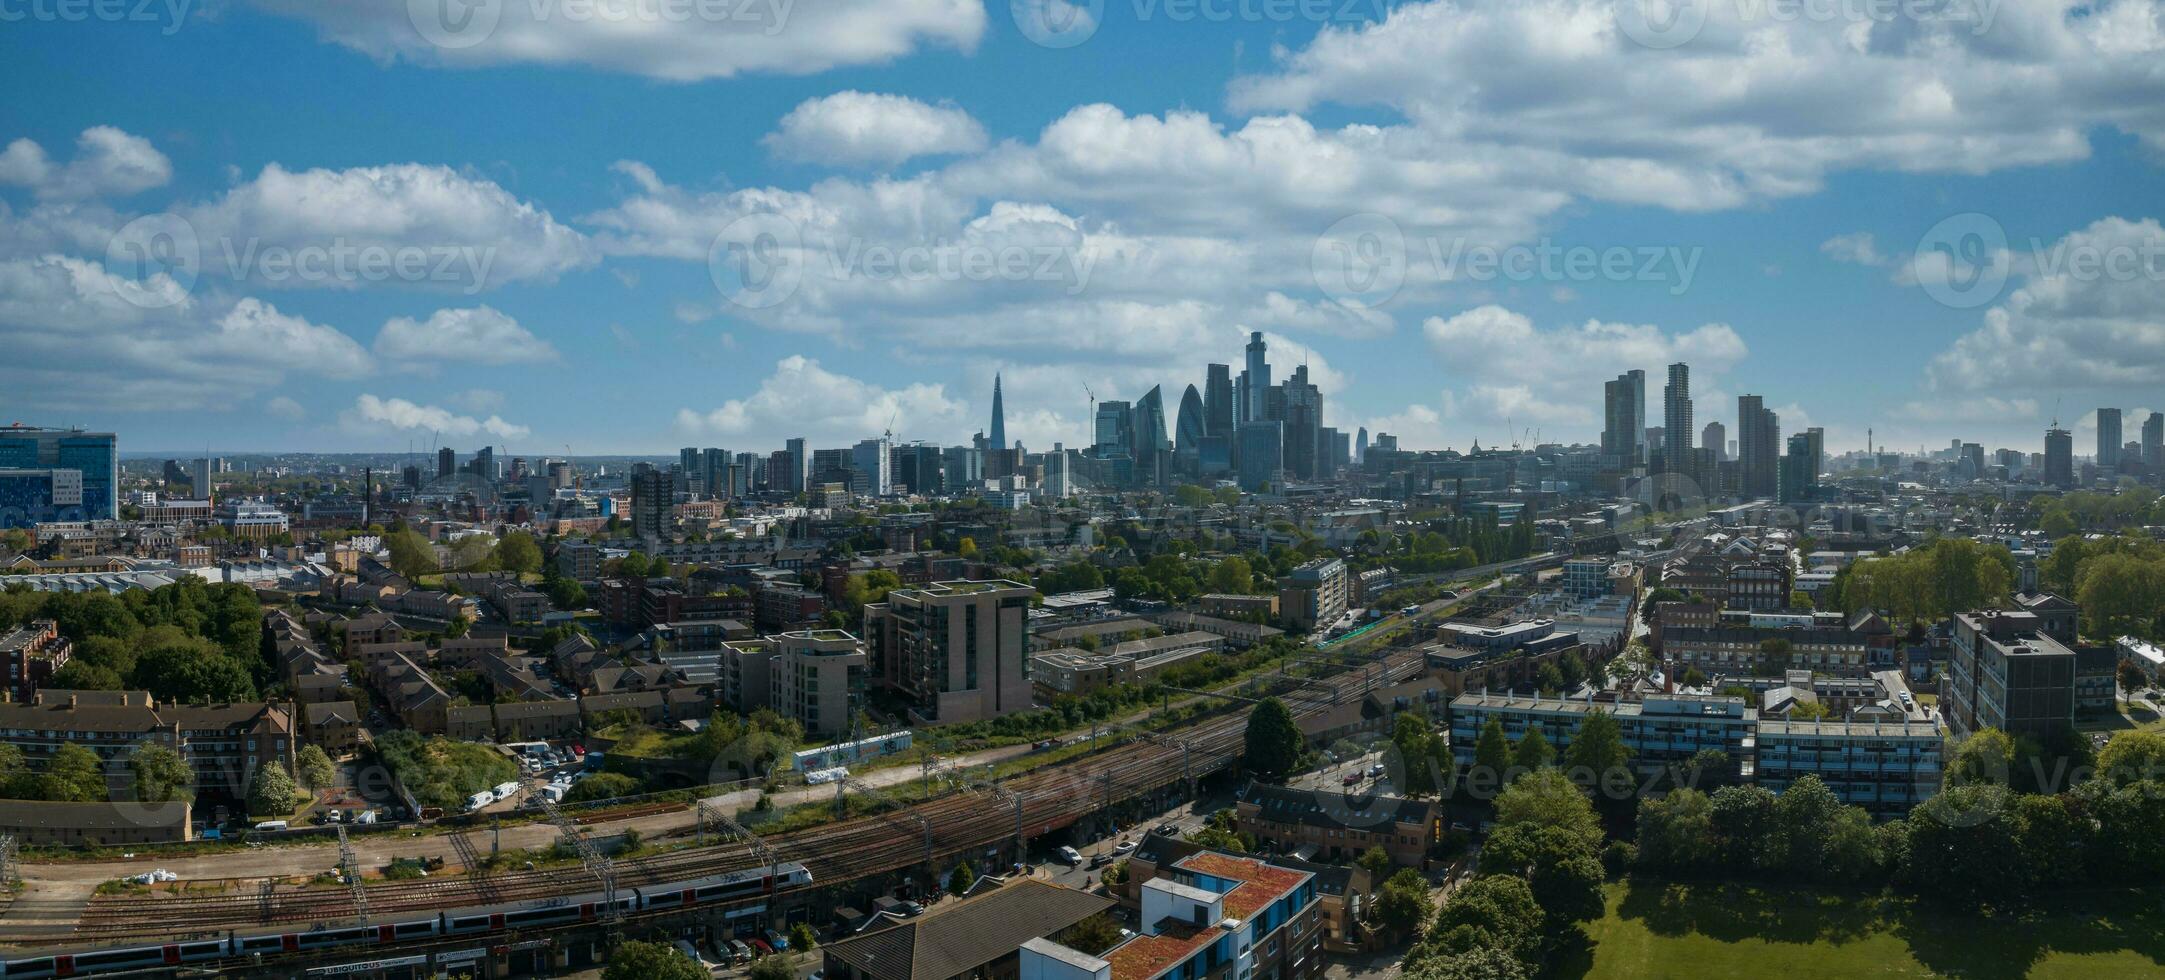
2006,670
1799,477
1301,406
997,435
447,462
1623,432
2153,441
1218,401
2059,458
874,464
1255,380
798,478
958,651
2108,441
1112,430
1259,453
1192,426
93,456
1715,439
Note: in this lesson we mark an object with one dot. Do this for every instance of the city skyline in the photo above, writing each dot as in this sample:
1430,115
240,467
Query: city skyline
575,257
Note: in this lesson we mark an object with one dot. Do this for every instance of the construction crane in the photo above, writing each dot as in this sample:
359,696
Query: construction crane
889,433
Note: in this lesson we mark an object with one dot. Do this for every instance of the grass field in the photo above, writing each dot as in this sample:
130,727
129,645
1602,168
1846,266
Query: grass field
1686,932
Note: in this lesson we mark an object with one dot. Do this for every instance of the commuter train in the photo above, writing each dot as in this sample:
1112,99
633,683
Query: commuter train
540,914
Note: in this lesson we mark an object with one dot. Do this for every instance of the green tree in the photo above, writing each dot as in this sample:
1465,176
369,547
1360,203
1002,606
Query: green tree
802,937
73,775
1491,755
1401,906
314,768
658,961
270,790
1273,741
160,775
194,673
1984,756
1480,963
2121,595
517,552
1743,819
1599,747
1489,912
1963,848
82,675
1232,576
960,879
1547,798
764,968
412,556
1377,862
1533,751
602,786
1676,832
2132,756
17,782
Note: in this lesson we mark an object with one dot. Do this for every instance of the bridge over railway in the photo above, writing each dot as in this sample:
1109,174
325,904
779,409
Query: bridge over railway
987,823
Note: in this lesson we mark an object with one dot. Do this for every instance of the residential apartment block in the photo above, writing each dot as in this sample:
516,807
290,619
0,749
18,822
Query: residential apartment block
2005,671
958,650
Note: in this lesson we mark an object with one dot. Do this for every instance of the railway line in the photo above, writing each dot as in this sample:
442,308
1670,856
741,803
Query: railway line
964,821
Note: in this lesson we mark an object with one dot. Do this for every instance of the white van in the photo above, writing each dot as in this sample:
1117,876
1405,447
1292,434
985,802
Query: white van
269,825
554,792
479,800
505,791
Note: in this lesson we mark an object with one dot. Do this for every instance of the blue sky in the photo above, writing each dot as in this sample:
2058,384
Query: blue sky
1110,213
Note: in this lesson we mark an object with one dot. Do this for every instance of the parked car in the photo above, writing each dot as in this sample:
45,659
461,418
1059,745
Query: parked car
1375,770
776,939
739,951
761,948
1070,855
910,908
1124,847
1352,779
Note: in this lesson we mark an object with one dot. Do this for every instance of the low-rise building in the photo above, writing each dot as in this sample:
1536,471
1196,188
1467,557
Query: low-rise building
32,653
982,937
1338,828
1886,767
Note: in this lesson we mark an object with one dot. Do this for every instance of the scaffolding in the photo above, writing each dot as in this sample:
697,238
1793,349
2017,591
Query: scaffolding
9,872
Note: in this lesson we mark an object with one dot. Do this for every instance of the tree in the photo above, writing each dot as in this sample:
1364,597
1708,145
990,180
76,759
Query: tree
16,780
412,556
1420,753
1985,756
1599,745
193,671
1274,741
1743,819
1377,862
2132,756
1401,906
517,552
602,786
1489,912
160,775
2131,677
73,775
1533,751
1232,576
1547,798
1491,754
1676,832
659,961
2121,594
967,547
82,675
1480,963
1963,848
270,790
802,937
960,880
314,769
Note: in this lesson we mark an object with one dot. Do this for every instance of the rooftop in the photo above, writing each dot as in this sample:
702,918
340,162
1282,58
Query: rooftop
1255,886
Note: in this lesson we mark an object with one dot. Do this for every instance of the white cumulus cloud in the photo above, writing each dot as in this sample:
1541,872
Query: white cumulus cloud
850,128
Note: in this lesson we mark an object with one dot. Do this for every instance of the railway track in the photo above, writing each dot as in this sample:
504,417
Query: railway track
958,822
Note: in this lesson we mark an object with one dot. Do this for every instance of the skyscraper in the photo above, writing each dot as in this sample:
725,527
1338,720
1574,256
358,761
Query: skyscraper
1759,444
1218,401
799,476
1112,432
1360,446
2108,440
2059,457
1261,463
997,435
447,462
873,460
1623,434
1798,476
1676,418
1192,426
650,501
1303,414
2153,440
1715,439
695,471
1255,381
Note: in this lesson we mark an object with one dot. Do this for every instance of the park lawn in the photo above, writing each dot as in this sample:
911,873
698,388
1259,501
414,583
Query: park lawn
1656,930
